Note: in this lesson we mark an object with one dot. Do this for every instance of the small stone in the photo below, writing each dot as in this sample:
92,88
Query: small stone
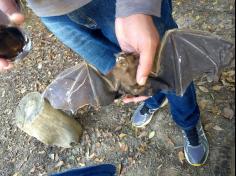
228,113
52,156
40,65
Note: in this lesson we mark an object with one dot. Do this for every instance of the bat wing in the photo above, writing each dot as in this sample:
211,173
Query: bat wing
186,55
79,86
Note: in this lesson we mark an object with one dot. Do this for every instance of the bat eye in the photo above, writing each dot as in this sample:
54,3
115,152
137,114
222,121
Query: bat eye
124,64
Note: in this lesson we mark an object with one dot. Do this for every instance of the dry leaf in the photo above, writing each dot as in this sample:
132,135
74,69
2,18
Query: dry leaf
230,79
217,128
152,134
201,83
203,89
197,17
230,73
56,157
170,141
123,147
118,128
181,157
215,110
99,160
92,155
142,148
217,88
225,83
119,169
32,170
203,104
122,135
142,134
82,164
59,164
17,174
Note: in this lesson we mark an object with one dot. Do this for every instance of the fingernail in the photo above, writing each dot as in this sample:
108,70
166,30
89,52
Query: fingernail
142,81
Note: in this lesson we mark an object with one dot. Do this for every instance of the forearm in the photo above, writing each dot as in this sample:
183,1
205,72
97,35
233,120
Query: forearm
129,7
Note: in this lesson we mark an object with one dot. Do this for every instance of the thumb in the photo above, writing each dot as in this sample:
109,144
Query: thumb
145,65
17,18
5,65
12,9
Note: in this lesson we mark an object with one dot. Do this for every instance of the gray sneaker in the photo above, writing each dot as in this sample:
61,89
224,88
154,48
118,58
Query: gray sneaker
197,155
143,115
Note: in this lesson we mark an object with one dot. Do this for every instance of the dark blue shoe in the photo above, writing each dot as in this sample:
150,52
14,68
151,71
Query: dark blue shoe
143,115
196,155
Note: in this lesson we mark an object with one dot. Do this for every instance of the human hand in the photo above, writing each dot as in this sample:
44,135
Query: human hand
11,9
138,34
132,99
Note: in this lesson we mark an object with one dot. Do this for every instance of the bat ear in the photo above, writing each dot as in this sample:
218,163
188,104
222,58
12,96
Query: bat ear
121,62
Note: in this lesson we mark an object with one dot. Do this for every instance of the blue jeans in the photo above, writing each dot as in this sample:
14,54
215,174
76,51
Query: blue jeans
99,170
90,32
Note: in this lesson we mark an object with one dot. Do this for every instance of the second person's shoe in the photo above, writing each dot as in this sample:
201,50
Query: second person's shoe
143,115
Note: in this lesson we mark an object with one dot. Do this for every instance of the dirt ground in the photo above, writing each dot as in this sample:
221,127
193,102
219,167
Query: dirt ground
108,135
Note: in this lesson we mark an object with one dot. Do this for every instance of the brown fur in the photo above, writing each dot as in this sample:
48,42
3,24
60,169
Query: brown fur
11,42
125,73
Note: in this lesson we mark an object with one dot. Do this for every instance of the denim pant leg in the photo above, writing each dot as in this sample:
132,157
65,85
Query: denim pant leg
81,32
184,110
99,170
163,24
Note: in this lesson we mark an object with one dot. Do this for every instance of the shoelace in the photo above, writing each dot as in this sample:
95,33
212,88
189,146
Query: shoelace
144,110
192,136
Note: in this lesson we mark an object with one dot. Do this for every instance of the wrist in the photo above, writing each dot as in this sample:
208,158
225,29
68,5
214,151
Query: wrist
136,16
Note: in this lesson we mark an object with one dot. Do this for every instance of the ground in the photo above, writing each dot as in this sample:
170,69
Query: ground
108,135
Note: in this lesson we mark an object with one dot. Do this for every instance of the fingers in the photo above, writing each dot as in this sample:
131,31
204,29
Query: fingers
17,18
147,52
5,65
135,99
11,8
145,64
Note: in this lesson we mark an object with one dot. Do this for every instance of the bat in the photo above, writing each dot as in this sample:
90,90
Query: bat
183,56
12,42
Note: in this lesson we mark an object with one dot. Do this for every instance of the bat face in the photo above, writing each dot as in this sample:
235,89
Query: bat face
11,42
125,73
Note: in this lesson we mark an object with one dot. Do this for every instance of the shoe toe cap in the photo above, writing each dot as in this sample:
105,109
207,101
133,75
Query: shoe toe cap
196,155
138,119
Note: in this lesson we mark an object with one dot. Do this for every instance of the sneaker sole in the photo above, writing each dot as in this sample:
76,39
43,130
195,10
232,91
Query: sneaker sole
197,165
147,122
